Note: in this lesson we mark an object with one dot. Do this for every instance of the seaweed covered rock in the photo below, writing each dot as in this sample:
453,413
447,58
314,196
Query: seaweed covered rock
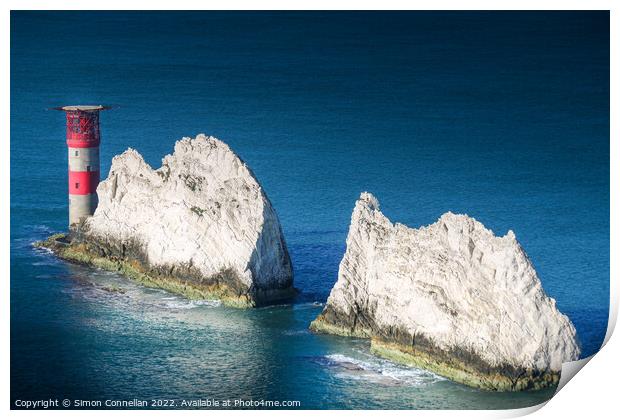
200,225
449,297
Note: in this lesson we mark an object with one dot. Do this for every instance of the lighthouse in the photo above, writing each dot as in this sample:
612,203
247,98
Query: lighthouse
83,143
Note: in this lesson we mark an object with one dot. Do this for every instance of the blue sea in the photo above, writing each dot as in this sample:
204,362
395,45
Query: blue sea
502,116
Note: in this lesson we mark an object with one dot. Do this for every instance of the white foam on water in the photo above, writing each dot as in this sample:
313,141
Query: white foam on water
189,304
42,250
40,228
155,298
306,305
382,371
44,257
159,298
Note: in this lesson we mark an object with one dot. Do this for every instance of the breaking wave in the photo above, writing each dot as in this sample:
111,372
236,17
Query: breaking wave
378,370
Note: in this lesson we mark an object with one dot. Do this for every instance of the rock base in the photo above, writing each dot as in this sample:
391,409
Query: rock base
460,372
329,322
457,366
223,286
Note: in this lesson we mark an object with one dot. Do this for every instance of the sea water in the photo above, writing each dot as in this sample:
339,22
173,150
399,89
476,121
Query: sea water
503,116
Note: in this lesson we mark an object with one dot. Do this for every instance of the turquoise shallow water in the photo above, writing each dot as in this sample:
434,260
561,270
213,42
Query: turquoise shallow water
501,116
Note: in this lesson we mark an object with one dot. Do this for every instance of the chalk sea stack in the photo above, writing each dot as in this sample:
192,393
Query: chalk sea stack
201,226
451,298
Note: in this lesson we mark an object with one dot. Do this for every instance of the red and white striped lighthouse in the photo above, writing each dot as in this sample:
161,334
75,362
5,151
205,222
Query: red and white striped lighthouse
83,143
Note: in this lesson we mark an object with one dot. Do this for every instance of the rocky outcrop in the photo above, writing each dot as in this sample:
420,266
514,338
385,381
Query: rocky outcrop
451,298
201,225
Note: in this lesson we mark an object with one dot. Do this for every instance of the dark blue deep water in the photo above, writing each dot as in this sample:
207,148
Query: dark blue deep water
503,116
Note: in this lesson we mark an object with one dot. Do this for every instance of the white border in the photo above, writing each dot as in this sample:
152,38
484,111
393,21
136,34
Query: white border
593,395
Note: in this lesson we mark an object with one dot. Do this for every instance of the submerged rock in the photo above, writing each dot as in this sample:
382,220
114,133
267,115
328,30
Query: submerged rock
201,225
451,298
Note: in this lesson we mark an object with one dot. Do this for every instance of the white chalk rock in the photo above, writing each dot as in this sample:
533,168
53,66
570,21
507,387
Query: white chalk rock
203,210
450,297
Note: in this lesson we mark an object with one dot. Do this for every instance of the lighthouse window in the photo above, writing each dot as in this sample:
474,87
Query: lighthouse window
77,152
88,168
77,185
